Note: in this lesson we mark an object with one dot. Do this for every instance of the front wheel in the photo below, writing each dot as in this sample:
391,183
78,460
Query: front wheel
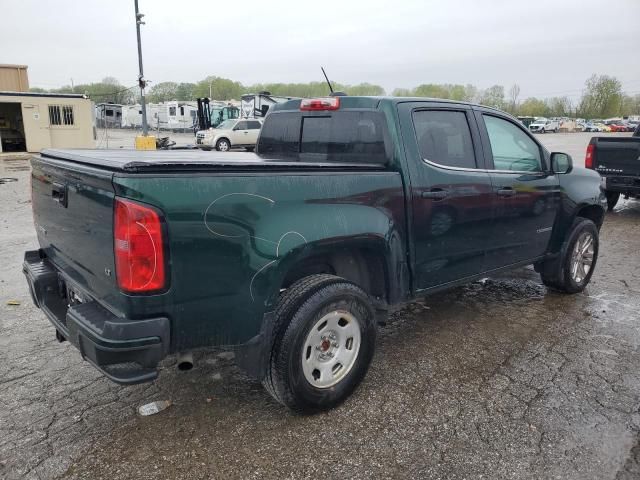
572,271
223,145
324,339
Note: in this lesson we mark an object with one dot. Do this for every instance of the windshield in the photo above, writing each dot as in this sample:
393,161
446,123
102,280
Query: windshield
227,125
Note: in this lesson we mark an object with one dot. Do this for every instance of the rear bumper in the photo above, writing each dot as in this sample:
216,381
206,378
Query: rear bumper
622,184
126,351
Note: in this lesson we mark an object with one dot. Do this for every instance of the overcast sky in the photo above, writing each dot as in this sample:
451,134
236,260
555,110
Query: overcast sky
548,47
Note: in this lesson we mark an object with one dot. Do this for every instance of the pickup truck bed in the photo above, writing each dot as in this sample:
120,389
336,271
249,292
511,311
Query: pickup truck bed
228,223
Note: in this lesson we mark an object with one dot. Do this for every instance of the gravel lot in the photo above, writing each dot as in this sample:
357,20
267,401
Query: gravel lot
497,379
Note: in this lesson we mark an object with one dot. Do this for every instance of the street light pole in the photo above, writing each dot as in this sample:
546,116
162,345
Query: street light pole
141,81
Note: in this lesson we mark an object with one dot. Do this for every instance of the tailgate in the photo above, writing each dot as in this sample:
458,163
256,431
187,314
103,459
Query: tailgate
73,216
617,155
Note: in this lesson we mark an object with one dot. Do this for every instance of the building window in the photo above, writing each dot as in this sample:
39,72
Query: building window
67,114
61,115
54,115
172,111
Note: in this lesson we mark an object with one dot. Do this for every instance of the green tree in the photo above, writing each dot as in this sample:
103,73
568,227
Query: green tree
602,97
493,97
559,107
514,93
533,107
220,88
402,92
185,92
163,92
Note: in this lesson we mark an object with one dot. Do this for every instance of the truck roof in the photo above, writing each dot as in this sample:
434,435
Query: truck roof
374,102
163,161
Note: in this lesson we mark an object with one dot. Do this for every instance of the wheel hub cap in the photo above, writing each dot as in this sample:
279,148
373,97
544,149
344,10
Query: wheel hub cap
582,257
331,349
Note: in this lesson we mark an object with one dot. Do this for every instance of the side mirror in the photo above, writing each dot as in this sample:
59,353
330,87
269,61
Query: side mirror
561,163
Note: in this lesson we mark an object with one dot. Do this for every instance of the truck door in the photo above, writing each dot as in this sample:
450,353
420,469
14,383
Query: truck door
525,194
451,197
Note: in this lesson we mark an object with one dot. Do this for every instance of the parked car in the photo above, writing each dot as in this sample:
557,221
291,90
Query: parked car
618,127
601,127
230,134
616,160
351,205
542,125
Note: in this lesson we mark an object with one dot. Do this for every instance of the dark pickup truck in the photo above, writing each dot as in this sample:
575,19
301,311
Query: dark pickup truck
294,254
617,160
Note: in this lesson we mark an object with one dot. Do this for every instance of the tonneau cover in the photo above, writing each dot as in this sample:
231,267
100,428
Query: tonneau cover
172,160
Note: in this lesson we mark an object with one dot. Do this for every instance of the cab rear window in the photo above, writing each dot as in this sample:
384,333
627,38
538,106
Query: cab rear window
347,136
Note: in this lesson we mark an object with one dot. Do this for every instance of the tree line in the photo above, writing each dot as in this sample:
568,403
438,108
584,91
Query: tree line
602,96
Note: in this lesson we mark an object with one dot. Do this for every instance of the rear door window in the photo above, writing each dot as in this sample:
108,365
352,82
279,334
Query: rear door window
444,138
253,125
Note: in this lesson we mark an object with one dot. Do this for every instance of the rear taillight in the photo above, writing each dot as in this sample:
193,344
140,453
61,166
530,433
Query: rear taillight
589,158
138,247
319,104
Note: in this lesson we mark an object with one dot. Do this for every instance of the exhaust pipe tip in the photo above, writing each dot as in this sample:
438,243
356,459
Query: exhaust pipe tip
185,361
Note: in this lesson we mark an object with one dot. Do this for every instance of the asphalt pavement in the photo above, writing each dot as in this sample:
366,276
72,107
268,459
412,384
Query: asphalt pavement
497,379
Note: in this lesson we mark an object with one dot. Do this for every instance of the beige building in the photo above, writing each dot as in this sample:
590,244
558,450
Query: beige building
13,78
34,121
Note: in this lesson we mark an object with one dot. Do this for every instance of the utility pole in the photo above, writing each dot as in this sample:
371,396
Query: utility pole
141,80
211,90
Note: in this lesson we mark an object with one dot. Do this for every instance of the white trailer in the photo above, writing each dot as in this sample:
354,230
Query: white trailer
257,105
175,116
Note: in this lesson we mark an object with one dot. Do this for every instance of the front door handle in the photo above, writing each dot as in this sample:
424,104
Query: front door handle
435,194
506,192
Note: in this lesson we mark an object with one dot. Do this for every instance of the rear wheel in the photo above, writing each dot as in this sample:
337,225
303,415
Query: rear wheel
572,271
324,339
612,199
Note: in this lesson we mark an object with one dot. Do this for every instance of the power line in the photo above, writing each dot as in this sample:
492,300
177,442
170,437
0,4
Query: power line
110,94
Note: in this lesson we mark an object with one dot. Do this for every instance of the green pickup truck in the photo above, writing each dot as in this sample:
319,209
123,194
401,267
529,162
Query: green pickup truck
292,255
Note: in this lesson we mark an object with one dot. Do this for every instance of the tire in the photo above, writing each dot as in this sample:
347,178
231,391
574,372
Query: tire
612,199
290,377
559,273
223,145
250,149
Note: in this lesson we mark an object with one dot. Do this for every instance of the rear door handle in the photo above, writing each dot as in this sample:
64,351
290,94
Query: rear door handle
435,194
506,192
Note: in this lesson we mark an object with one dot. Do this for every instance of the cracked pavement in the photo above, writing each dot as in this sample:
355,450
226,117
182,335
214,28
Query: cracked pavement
497,379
